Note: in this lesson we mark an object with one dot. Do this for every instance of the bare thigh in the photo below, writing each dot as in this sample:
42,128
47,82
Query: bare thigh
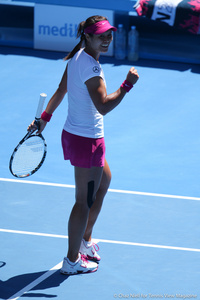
83,178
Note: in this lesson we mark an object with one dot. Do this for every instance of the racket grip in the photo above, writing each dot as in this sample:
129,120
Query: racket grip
40,106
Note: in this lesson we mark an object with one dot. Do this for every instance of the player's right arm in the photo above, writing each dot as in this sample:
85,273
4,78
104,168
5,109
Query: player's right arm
53,103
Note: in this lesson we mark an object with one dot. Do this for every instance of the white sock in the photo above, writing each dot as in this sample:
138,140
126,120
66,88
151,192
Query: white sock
88,244
73,263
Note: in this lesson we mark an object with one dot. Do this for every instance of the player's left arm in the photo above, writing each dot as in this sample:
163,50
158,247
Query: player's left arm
105,103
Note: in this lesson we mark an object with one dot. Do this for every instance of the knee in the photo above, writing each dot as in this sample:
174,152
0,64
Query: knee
81,199
81,208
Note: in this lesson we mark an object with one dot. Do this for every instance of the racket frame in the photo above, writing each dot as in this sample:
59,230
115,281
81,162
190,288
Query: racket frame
25,138
29,135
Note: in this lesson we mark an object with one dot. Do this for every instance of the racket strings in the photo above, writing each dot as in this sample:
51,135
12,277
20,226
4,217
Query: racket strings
28,156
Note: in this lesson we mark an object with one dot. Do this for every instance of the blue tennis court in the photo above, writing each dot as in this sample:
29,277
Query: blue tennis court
148,231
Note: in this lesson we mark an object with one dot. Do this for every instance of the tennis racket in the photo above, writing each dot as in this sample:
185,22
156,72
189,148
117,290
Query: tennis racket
30,153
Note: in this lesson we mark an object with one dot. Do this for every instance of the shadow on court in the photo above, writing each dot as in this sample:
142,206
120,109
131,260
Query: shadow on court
13,285
2,264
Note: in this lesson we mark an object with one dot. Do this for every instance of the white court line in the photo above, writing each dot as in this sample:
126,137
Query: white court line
58,266
36,282
110,190
102,240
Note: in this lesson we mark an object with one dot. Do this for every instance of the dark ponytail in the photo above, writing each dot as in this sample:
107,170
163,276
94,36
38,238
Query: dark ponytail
80,33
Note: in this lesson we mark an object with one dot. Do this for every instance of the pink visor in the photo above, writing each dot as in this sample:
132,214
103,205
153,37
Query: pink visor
100,27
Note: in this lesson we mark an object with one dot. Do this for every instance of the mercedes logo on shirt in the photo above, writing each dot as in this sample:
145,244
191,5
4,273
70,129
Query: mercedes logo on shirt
96,69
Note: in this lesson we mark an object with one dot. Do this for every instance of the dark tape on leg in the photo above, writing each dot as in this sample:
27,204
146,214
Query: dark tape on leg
90,195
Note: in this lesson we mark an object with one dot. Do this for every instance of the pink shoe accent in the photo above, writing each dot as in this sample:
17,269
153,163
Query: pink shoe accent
94,248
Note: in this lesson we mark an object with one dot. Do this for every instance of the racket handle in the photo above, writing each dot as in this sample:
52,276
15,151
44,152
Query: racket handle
40,106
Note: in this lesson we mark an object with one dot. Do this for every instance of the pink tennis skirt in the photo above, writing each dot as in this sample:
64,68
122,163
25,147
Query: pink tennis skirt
83,152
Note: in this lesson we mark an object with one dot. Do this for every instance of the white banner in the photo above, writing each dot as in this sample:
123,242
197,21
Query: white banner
55,27
165,10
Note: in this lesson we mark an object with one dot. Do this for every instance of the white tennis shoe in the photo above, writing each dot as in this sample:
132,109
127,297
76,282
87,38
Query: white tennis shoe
79,267
89,251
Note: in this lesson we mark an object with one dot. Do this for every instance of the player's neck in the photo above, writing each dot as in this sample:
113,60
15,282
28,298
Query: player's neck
92,53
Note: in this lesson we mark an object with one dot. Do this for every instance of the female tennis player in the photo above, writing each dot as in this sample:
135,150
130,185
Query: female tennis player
83,136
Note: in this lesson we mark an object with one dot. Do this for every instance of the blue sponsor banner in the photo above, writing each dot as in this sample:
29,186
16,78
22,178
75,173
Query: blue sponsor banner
55,27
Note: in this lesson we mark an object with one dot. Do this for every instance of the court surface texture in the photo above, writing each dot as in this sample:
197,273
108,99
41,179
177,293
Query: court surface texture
148,231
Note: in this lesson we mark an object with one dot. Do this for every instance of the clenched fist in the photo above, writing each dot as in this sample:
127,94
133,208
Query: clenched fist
132,76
